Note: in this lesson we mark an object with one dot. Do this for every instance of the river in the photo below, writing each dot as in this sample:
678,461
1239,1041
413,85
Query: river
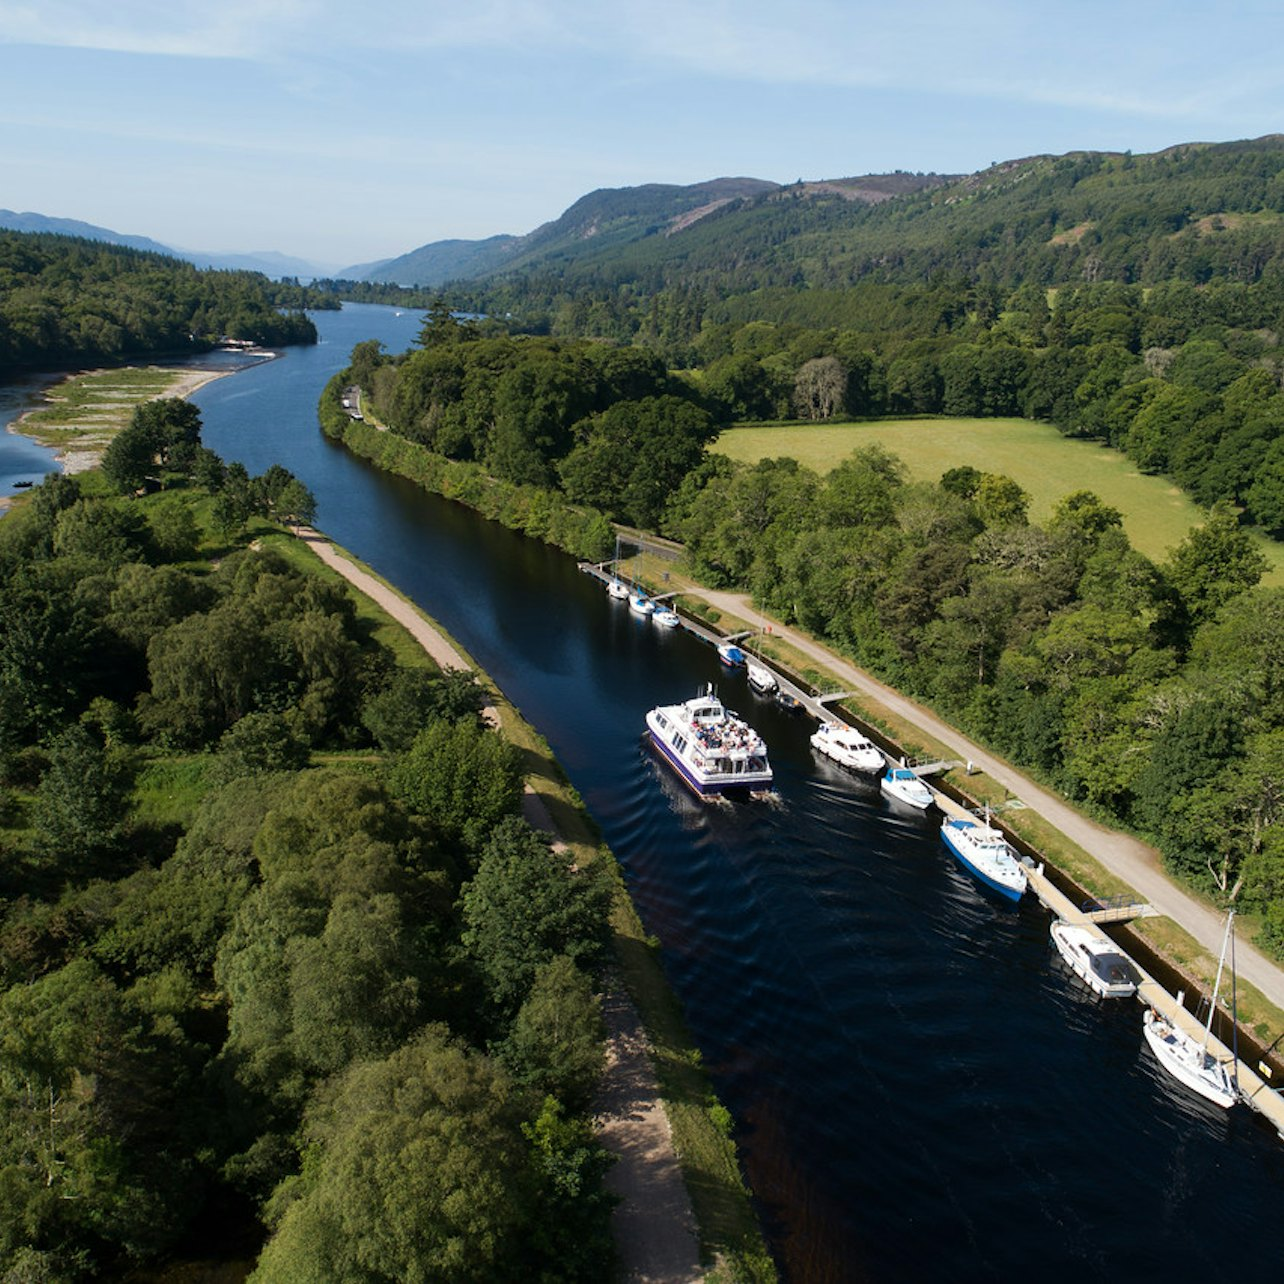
922,1090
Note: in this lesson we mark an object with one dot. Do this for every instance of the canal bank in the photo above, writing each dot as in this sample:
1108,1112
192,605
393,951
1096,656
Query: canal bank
908,1062
660,1237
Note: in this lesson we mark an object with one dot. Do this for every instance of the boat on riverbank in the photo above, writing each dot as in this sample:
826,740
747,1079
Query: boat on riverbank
1101,965
760,677
984,852
847,747
709,746
666,617
639,603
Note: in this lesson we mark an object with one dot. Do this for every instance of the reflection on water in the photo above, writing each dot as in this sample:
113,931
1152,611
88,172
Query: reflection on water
923,1091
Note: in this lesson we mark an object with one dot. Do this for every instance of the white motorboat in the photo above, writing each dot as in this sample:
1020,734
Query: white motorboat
617,589
985,852
639,603
904,786
709,746
846,746
1187,1057
731,655
1099,963
761,678
666,617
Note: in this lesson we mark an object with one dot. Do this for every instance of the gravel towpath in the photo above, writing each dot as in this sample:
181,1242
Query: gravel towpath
1135,862
653,1225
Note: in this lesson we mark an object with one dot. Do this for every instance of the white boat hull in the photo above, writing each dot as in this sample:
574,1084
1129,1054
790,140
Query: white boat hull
761,679
984,852
1097,964
907,789
713,751
847,747
1188,1061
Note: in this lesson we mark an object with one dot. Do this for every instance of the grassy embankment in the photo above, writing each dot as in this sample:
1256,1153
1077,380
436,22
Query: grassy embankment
729,1231
1156,514
86,409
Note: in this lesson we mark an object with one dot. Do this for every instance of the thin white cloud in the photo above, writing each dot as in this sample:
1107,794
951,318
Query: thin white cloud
175,28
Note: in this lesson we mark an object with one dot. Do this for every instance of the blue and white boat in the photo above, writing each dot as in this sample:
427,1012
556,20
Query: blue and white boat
731,655
666,617
985,852
639,603
710,747
904,786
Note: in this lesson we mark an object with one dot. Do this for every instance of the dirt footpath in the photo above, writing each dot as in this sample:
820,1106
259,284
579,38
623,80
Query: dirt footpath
653,1225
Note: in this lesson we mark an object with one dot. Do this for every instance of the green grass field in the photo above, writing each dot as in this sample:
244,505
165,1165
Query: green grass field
1157,515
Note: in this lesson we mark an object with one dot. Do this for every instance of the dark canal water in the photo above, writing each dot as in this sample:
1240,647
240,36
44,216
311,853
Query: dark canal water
924,1092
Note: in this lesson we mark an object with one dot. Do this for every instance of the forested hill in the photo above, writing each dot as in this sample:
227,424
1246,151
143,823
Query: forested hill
66,301
610,217
1194,212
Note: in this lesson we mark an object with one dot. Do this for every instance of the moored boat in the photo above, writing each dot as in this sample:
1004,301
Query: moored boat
789,702
846,746
666,617
709,746
1098,963
1186,1057
731,655
639,603
904,786
761,678
984,851
617,589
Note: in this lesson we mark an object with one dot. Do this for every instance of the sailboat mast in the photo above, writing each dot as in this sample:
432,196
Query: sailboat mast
1217,984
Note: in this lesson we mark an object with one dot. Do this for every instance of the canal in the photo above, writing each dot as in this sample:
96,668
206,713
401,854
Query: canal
923,1092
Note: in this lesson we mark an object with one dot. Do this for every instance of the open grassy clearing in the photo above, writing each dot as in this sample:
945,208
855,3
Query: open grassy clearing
1157,515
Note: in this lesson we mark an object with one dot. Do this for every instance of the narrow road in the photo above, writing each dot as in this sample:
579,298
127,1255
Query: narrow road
1135,862
653,1225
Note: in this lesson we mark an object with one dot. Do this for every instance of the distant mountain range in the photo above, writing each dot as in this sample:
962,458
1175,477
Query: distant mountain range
269,262
1196,212
612,218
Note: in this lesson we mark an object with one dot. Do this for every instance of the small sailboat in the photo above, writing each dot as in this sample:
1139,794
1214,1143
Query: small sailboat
639,603
616,587
666,617
1187,1058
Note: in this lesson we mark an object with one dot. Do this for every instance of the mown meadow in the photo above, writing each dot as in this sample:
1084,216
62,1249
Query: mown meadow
1157,515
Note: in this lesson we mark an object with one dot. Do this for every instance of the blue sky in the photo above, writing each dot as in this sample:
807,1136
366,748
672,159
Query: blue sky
344,132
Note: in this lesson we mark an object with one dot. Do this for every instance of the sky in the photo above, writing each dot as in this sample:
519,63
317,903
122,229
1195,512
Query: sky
349,132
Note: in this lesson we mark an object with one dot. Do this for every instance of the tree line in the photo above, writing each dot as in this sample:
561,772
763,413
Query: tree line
67,301
1144,692
339,999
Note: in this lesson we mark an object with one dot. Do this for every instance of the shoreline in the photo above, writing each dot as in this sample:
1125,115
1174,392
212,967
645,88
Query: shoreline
73,458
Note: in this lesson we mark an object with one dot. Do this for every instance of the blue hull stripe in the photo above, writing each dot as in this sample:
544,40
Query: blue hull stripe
1012,893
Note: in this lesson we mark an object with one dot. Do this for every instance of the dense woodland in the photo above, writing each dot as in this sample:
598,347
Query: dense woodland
66,302
1147,693
281,968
